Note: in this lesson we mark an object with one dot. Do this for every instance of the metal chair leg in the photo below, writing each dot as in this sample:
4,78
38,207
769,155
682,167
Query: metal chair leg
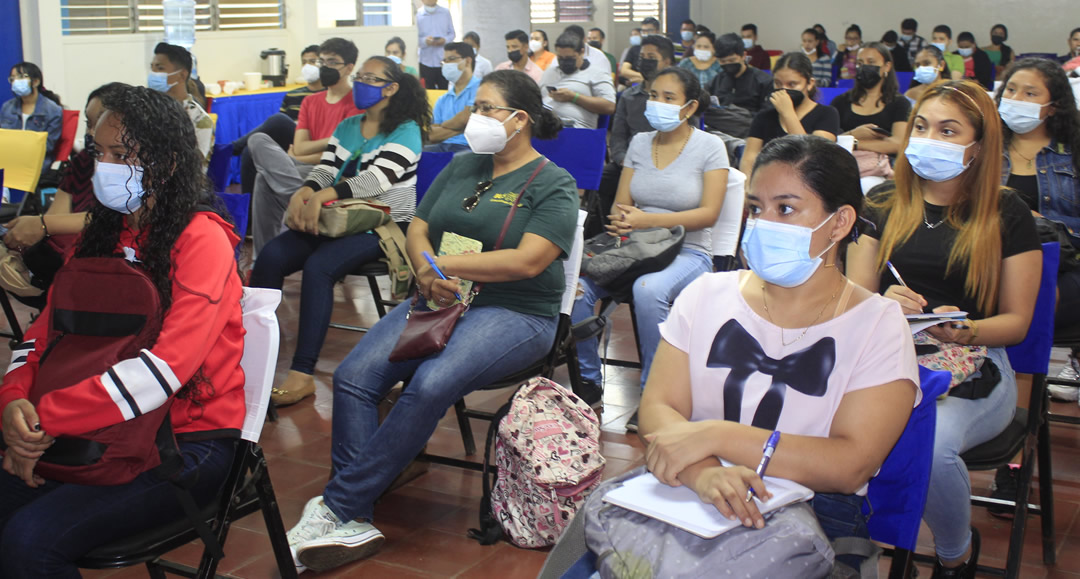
465,427
1046,494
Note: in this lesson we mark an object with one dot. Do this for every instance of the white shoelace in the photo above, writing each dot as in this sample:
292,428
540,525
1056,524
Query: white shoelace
317,526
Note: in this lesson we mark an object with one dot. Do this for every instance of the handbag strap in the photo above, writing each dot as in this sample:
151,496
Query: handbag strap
510,215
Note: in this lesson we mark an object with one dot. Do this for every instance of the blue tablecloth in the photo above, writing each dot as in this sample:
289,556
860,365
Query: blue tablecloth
237,115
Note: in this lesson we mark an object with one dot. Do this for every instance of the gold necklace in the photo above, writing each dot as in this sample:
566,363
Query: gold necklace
807,328
656,148
1029,160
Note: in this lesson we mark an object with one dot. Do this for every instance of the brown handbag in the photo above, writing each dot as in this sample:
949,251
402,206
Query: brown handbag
428,332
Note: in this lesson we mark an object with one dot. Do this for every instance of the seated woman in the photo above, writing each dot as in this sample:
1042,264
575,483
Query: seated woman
149,185
510,325
962,243
794,306
538,49
370,156
1001,55
874,103
675,175
34,108
793,110
844,65
814,49
702,62
977,65
930,67
395,51
1042,164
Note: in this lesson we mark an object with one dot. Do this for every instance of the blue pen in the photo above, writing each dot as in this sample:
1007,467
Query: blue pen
438,271
766,456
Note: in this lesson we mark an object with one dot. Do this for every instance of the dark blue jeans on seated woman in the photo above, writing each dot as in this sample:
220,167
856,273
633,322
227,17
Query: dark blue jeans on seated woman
43,531
325,261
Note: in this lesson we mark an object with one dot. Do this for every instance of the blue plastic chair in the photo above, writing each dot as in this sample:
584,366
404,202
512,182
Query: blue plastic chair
845,83
897,495
903,80
429,167
580,151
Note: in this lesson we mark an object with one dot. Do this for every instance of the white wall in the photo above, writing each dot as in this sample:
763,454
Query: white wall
1040,26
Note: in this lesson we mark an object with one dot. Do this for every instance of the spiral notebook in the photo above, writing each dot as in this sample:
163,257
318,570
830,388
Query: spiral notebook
681,507
920,322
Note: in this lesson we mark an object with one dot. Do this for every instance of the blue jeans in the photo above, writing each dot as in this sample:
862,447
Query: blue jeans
45,530
488,343
841,515
962,425
325,261
653,296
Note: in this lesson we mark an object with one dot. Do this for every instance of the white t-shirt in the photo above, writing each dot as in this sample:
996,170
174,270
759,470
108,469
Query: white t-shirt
589,82
741,371
483,66
597,58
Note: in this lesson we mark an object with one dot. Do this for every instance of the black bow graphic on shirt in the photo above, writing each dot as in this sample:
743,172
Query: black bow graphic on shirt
806,371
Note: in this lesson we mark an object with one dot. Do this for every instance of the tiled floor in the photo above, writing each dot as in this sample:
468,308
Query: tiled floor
426,520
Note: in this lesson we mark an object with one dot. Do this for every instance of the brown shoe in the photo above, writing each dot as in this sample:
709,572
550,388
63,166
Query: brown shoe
296,387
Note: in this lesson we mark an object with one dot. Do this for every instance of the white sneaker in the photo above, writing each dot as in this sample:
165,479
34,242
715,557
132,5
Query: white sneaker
321,541
1063,393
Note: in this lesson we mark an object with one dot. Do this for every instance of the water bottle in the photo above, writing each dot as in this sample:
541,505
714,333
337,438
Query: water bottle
179,18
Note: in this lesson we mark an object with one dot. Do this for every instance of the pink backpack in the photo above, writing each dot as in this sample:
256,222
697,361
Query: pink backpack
547,460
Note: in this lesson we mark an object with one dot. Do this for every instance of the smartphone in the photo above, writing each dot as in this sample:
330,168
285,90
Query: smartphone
881,131
552,89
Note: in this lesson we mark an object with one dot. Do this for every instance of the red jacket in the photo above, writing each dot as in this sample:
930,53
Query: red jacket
202,329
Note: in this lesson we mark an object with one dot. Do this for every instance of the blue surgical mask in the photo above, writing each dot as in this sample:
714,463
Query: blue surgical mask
748,43
159,81
1021,116
635,41
663,117
451,72
940,46
395,58
21,87
965,51
687,35
926,74
365,95
118,187
779,253
936,160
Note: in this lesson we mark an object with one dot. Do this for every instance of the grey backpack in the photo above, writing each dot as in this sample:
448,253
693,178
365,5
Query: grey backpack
630,545
615,262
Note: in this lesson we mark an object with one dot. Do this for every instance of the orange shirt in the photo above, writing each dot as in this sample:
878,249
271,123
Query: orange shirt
544,61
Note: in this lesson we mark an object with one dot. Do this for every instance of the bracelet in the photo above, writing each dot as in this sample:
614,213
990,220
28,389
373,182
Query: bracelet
576,95
43,227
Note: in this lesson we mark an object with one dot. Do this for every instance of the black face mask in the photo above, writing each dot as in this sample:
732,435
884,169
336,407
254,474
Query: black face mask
514,56
88,143
596,44
997,39
568,65
647,67
329,76
731,68
868,75
797,96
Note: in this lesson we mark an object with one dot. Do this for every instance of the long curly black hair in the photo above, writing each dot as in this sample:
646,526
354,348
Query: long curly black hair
409,103
1064,124
160,135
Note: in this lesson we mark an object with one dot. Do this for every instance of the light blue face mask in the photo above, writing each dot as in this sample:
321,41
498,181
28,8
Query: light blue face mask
663,117
936,160
926,74
748,43
1021,116
965,52
779,253
451,72
395,58
21,87
159,81
118,187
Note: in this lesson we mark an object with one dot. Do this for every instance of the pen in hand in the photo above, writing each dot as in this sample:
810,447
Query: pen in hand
766,456
439,272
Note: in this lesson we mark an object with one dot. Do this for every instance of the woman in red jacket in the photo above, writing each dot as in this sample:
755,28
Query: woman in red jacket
151,195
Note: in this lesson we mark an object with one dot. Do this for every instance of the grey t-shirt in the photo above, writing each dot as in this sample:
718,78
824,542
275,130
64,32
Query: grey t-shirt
678,187
590,82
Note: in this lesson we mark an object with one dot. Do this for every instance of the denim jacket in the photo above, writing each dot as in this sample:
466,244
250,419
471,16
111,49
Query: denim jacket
1059,184
46,118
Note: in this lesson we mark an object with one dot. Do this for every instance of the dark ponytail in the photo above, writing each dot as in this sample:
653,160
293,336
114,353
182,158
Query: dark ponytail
521,92
30,69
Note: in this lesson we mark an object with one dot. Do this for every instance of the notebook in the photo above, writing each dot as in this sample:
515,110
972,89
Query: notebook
681,507
454,244
920,322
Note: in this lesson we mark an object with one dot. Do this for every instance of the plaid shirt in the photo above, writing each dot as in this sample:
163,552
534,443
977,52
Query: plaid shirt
914,46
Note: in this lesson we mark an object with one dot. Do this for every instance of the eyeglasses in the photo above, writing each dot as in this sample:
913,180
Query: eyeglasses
369,78
486,109
330,63
470,203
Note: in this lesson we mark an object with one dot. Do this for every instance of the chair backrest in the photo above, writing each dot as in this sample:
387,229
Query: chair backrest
897,495
845,83
903,80
730,219
221,156
68,128
1047,55
572,264
21,156
429,167
260,355
1032,356
433,96
581,152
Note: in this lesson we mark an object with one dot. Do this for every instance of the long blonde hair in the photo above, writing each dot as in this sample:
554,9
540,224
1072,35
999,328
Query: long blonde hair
975,214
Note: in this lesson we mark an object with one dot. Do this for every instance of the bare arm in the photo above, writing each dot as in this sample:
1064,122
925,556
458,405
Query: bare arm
878,143
749,156
303,145
627,71
712,199
862,263
451,127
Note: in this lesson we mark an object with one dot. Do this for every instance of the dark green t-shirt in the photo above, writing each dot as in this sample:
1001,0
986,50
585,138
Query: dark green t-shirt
549,209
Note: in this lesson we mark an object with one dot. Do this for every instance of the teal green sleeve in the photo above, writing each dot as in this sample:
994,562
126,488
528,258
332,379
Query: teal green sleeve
555,215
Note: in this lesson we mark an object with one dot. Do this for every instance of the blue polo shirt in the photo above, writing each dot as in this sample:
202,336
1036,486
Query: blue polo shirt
451,104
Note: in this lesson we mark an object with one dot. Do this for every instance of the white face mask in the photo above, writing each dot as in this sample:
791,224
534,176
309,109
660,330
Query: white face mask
310,73
703,55
535,45
487,135
809,52
430,9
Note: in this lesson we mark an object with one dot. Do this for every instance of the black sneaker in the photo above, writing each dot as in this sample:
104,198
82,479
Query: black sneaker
631,423
965,571
1006,483
592,394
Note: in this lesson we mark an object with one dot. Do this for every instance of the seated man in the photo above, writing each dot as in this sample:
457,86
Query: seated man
596,40
575,90
280,173
483,65
628,70
739,84
309,71
517,50
592,54
756,56
452,110
941,38
169,72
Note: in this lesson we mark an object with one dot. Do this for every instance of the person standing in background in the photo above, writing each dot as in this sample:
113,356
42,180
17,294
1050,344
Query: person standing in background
435,28
756,56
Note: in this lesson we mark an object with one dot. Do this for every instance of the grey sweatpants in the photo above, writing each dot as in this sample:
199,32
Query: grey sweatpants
277,177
